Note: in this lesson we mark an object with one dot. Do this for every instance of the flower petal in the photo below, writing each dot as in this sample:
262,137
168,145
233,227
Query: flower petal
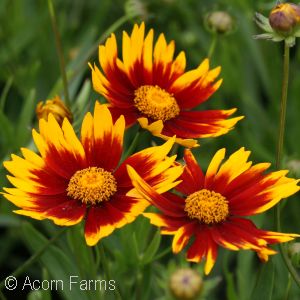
192,176
99,134
101,221
213,168
153,165
169,224
150,194
157,127
203,247
67,213
182,236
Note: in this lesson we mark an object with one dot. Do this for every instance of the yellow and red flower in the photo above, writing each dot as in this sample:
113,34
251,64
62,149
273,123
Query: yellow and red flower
211,207
150,86
73,178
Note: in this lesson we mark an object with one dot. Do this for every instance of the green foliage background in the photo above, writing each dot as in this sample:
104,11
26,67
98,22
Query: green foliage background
252,72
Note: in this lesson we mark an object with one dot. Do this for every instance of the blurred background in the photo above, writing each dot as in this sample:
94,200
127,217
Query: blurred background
251,70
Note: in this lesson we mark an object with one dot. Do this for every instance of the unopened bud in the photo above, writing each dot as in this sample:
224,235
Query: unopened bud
285,17
294,254
220,22
136,8
56,107
294,166
185,284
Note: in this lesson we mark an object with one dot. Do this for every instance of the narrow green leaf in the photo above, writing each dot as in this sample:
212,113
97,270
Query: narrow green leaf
5,92
59,265
265,282
27,113
152,249
7,135
82,252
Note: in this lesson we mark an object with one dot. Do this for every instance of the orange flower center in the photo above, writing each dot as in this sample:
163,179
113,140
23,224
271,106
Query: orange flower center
156,103
92,185
207,206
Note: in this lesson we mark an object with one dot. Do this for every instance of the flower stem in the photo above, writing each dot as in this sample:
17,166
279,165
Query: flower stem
278,163
213,45
59,51
34,257
284,92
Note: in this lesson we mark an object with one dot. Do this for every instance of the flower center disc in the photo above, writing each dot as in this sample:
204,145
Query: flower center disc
156,103
92,185
207,206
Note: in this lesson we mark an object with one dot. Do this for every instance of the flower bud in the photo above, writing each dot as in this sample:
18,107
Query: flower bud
220,22
56,107
285,17
294,254
294,248
185,284
136,8
294,166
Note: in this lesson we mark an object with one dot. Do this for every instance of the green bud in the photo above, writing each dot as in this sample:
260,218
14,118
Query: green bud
220,22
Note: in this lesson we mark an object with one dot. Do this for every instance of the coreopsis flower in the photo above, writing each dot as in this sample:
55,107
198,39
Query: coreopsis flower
283,23
74,179
185,284
150,86
210,210
56,107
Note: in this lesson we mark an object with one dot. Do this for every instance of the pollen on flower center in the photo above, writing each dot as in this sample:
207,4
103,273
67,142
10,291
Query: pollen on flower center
156,103
92,185
207,206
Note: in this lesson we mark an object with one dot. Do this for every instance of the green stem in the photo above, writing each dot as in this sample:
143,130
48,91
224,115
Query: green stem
133,144
138,284
285,82
283,102
33,258
212,45
59,51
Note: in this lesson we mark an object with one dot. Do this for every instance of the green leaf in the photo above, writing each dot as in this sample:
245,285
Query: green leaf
230,287
35,295
82,252
5,91
208,286
81,105
57,263
152,249
9,220
43,293
27,113
265,282
245,274
6,131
